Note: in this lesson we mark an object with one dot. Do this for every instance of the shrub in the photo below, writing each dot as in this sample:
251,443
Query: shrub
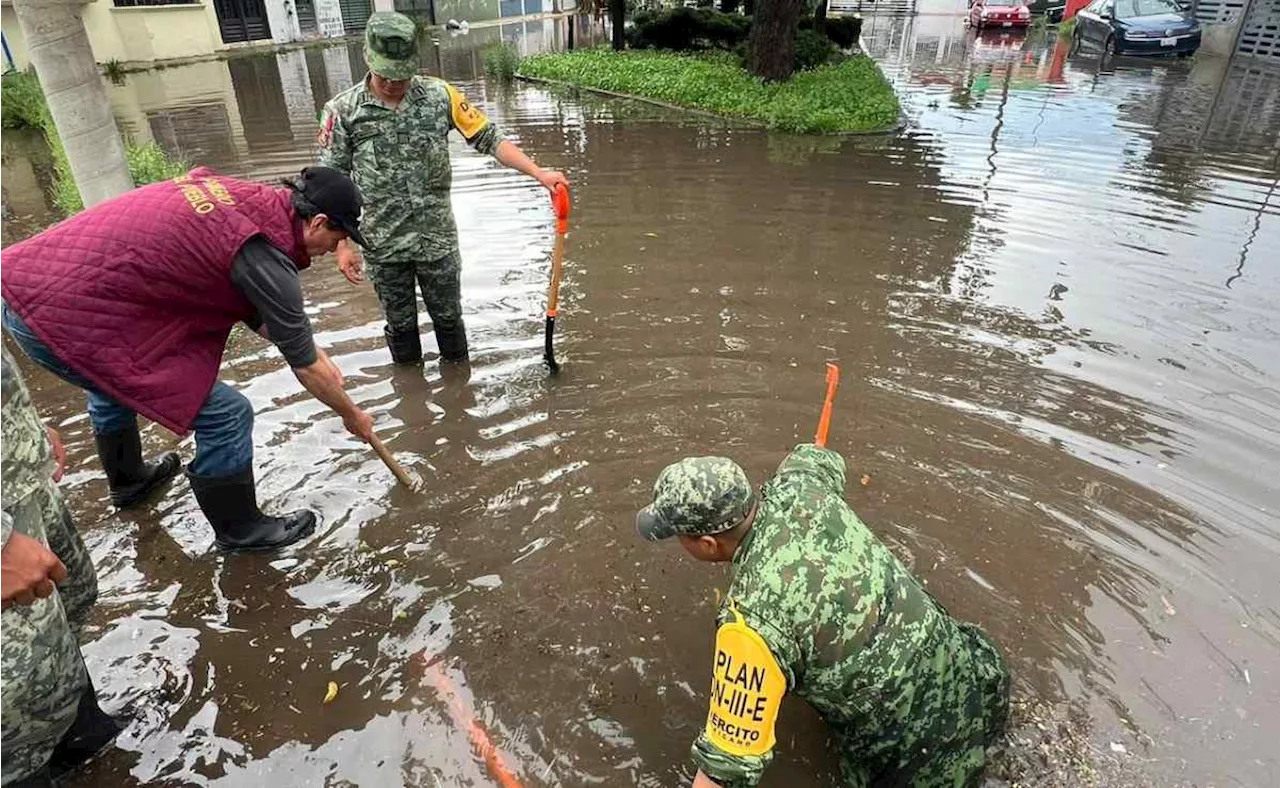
843,30
501,61
688,29
22,102
813,49
730,6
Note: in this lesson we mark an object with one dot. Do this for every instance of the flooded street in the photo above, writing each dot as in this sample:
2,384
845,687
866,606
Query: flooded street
1053,300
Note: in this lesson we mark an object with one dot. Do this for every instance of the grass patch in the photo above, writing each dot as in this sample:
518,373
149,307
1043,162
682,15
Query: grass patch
23,105
848,96
501,62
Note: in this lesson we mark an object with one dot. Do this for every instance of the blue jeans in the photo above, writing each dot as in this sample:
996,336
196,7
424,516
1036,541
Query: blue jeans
223,427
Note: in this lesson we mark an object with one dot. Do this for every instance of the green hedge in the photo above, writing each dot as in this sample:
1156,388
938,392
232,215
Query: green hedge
848,96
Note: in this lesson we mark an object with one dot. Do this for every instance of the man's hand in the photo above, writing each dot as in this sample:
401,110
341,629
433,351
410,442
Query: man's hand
551,178
703,781
350,263
28,571
59,452
359,424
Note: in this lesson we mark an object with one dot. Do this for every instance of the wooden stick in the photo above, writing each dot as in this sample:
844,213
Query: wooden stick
391,463
824,423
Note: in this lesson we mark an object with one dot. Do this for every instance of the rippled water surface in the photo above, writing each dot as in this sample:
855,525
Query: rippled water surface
1053,298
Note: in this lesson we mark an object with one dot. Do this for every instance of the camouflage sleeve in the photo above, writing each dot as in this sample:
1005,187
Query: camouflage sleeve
746,767
822,465
471,123
333,140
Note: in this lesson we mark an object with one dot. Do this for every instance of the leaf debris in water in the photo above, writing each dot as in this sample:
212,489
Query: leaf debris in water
331,693
865,480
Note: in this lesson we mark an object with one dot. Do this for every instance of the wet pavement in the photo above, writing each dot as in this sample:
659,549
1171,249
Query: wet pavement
1052,298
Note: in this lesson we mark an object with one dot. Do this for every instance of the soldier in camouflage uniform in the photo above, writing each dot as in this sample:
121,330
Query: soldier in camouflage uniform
51,719
389,133
819,607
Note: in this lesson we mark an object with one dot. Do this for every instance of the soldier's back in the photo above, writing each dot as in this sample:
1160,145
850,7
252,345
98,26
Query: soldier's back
881,660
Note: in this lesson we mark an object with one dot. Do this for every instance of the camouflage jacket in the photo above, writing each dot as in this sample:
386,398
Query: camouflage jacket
26,457
400,160
849,629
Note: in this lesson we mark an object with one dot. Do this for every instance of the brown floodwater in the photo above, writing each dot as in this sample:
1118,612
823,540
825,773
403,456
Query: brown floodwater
1052,297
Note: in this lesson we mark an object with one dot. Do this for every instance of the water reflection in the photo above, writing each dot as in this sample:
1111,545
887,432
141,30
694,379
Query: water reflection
1068,419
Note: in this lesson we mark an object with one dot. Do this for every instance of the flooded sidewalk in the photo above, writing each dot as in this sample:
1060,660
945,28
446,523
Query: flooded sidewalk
1052,297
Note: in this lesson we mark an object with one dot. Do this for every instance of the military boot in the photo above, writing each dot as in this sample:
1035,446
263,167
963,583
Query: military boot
131,478
231,504
452,342
92,732
405,344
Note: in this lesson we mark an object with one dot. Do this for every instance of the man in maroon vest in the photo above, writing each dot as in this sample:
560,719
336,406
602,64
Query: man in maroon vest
133,300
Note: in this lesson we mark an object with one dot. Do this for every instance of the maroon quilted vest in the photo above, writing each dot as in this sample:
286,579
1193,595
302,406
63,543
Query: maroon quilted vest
135,293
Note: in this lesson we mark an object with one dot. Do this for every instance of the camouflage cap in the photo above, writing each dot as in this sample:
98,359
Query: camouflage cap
695,497
391,45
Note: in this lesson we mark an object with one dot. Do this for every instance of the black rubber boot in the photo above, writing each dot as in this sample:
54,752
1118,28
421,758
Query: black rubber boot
91,733
453,343
132,479
231,504
405,345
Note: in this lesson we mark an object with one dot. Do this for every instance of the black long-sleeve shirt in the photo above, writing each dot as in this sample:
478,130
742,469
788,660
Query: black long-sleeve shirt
269,279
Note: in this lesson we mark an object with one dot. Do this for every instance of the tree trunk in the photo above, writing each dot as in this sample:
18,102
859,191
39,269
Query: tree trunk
617,20
58,47
773,38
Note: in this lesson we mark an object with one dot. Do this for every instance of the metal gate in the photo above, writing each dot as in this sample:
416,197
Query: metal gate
241,20
1260,33
892,7
355,14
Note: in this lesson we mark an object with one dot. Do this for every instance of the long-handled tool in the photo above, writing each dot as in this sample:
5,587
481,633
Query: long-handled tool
494,762
391,463
824,423
560,201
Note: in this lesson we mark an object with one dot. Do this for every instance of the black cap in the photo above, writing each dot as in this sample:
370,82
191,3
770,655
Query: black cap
336,196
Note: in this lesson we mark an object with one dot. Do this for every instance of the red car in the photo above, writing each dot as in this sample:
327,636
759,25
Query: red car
999,13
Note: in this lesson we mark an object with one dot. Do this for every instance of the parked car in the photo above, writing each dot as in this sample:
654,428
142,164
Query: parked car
1052,10
999,13
1138,27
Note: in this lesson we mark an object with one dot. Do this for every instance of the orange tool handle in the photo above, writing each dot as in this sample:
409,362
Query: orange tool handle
560,201
824,423
480,741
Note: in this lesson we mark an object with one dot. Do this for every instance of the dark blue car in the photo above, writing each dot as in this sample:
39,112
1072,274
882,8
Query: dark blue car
1138,27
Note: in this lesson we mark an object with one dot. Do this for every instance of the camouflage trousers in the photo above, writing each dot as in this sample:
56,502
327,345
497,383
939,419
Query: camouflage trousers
397,286
954,758
41,670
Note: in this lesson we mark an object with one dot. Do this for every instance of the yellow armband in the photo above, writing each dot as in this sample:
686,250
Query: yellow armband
466,118
746,691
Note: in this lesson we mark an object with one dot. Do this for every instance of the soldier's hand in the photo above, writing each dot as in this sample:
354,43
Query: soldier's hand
349,263
28,570
550,178
59,452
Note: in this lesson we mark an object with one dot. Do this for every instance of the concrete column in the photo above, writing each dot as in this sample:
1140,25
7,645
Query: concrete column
58,47
295,79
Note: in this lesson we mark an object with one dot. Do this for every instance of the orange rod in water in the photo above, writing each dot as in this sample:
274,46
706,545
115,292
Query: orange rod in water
463,717
824,423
